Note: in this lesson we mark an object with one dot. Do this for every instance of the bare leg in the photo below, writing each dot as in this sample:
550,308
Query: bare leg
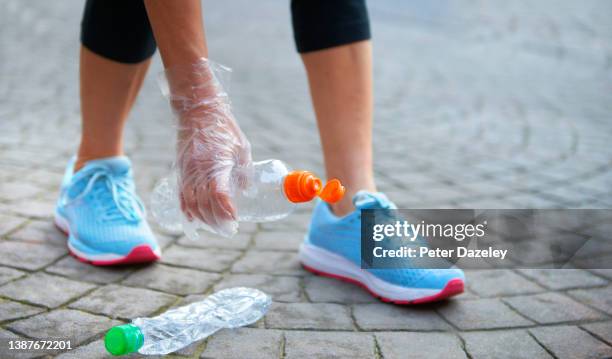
109,88
340,81
108,91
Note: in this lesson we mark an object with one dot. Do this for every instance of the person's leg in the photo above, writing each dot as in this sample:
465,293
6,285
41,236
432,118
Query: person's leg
340,81
98,207
117,44
333,39
108,92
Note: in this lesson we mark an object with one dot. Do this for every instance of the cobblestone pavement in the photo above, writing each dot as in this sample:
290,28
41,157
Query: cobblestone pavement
477,106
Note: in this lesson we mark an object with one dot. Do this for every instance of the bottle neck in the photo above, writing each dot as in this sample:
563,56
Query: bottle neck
124,339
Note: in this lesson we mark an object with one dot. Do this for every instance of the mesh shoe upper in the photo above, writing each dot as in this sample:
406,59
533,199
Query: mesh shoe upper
342,236
100,204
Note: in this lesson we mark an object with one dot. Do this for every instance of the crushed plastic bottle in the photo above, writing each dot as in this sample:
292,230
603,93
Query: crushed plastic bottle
269,192
177,328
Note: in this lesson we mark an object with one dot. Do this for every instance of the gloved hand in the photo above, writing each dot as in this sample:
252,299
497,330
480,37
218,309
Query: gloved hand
212,151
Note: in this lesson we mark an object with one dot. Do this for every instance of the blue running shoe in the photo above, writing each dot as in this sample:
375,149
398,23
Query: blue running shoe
332,248
102,215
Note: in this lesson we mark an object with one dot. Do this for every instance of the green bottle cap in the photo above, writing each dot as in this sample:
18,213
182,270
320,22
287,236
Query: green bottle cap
123,339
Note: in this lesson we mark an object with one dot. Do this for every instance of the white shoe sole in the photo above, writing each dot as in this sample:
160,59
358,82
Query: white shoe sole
139,254
323,262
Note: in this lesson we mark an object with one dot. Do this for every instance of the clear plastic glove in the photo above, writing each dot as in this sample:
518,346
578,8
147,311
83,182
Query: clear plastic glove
212,152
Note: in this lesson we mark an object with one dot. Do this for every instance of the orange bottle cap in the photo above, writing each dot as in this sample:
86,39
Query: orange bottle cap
333,191
303,186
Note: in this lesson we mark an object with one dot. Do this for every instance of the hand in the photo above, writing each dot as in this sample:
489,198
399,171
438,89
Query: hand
211,150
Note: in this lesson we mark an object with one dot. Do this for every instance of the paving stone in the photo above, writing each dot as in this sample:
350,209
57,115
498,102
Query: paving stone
601,261
173,280
550,308
607,273
73,268
73,325
10,310
190,299
281,288
295,222
571,342
600,298
561,279
44,289
213,260
533,201
29,256
8,274
382,316
5,352
248,227
122,302
278,263
594,248
493,283
239,241
40,232
603,331
419,345
503,344
9,223
44,177
541,139
328,345
164,240
190,350
279,241
321,289
93,350
481,314
602,230
244,343
96,350
467,295
35,208
309,316
12,191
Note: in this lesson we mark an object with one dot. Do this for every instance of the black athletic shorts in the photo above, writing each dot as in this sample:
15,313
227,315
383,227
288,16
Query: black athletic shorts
120,29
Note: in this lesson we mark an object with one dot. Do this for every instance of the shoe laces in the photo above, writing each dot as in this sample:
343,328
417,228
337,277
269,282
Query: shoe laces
378,201
113,196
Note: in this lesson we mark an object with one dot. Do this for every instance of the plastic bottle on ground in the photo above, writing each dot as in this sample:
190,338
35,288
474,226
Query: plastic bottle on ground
179,327
269,191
